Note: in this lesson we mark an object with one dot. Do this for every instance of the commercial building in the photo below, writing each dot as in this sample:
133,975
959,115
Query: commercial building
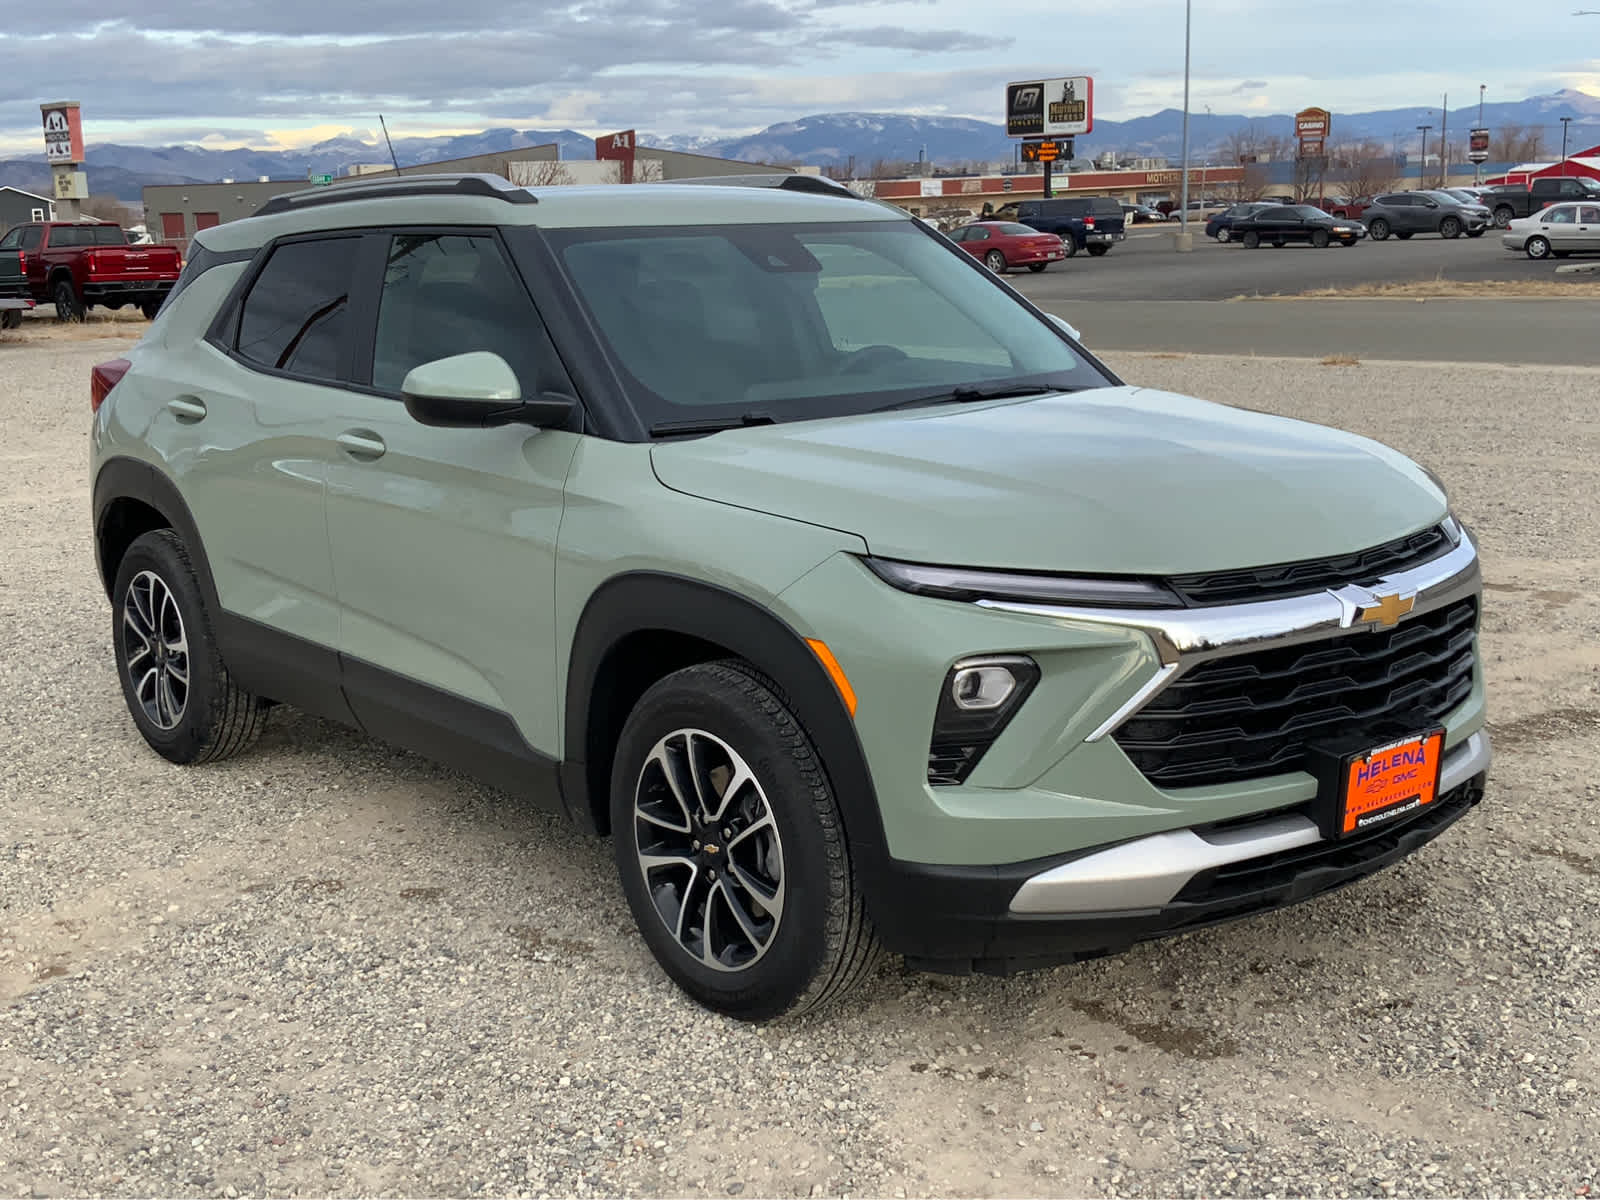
1584,162
174,213
928,194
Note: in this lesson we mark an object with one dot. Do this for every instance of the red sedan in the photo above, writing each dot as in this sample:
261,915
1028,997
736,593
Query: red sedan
1003,244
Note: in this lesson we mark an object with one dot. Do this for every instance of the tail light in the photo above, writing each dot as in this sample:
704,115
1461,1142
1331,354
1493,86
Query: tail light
91,262
1088,222
22,261
103,378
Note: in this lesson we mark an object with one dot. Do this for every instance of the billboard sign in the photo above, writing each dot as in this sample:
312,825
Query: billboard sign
1050,108
1478,145
1311,128
63,133
618,147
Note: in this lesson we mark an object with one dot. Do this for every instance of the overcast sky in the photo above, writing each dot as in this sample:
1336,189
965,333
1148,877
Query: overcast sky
291,72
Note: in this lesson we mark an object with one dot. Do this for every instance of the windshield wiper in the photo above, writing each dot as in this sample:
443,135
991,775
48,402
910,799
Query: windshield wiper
970,395
710,424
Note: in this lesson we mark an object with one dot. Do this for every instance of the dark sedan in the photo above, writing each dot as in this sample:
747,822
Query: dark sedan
1295,223
1220,226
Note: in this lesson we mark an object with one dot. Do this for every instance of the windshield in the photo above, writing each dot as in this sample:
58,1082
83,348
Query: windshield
799,321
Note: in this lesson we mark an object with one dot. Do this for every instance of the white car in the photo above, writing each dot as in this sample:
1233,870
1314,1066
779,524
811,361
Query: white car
1556,232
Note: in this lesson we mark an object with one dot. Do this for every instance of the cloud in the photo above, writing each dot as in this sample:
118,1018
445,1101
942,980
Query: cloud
1250,85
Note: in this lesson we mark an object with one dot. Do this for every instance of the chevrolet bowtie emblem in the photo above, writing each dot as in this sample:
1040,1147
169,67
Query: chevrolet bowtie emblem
1387,611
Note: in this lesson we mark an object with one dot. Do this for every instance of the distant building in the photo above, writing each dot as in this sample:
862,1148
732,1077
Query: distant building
1584,162
174,213
18,207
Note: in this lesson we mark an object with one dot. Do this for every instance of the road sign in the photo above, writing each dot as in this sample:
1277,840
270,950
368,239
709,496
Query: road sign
1050,107
317,180
1478,145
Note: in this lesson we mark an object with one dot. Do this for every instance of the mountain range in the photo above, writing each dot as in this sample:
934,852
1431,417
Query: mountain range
827,139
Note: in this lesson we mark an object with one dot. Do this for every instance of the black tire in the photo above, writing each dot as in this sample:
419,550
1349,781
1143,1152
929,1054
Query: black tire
1537,247
820,943
1069,244
1099,251
215,718
1037,267
11,318
1319,238
1450,228
1503,216
68,305
995,261
150,308
1378,230
1251,239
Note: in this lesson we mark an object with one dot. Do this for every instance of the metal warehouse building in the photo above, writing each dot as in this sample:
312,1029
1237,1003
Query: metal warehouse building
173,213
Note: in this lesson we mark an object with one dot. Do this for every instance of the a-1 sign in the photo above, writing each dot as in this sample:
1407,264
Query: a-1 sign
1050,107
63,132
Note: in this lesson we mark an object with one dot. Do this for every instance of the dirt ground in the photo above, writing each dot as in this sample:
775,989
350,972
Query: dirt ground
329,968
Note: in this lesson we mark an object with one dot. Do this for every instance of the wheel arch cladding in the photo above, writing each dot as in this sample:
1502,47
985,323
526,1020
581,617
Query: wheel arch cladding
640,627
132,498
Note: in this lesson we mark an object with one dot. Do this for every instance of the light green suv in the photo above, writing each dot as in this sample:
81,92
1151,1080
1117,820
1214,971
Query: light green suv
762,529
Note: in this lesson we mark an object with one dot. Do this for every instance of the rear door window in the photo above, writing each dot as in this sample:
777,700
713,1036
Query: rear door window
296,315
32,236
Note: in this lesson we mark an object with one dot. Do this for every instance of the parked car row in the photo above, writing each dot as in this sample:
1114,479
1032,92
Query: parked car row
1450,213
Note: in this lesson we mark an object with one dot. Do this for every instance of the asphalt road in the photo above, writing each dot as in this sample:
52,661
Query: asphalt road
1507,332
1145,267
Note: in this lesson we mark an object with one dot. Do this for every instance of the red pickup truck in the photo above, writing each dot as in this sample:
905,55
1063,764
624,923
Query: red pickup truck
78,266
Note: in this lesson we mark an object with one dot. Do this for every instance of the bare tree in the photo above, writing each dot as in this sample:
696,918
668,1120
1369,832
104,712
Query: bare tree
105,208
544,172
1516,144
1359,169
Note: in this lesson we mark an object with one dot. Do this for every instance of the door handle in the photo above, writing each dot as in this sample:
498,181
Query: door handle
187,408
362,444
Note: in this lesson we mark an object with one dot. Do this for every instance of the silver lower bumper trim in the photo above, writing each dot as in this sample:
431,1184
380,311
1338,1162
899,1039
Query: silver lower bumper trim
1149,872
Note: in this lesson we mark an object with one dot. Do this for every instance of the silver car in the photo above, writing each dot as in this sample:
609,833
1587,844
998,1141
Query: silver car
1556,232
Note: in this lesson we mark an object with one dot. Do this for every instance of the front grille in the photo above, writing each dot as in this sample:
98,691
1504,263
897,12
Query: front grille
1364,567
1252,715
1338,861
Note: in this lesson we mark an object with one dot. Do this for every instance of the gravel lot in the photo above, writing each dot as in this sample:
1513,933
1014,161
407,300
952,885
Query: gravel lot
329,968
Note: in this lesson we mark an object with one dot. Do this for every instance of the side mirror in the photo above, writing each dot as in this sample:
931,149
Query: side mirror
476,390
1065,327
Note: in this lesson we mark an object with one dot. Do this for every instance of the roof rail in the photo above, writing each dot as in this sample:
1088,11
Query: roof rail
814,184
494,187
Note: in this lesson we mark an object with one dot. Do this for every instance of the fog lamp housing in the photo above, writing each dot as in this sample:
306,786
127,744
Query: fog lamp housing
979,697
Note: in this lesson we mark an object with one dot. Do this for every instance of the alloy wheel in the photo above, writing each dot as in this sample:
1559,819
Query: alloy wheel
709,849
995,261
155,650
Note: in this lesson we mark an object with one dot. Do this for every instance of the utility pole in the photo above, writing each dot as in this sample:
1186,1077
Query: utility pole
1185,239
1422,167
1477,168
1444,142
1565,121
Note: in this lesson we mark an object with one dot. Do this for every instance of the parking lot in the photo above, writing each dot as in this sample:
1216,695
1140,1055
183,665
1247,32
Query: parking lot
327,967
1145,267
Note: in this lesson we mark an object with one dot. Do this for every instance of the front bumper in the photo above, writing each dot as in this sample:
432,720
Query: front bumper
961,920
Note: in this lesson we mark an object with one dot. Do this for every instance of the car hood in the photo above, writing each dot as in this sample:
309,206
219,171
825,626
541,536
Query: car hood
1115,480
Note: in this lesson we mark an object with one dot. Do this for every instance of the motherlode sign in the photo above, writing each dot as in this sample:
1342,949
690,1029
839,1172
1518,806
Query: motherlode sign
1311,127
1478,145
1050,108
63,133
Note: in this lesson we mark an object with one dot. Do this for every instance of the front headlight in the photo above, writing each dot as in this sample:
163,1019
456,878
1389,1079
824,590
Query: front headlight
1085,591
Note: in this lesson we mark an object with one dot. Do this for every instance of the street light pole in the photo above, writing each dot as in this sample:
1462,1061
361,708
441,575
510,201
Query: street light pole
1185,238
1422,167
1564,122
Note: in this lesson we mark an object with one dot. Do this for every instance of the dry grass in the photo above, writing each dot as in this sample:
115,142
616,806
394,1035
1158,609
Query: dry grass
41,326
1341,360
1563,288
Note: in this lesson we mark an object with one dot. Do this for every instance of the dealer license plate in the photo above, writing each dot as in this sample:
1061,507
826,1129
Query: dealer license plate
1389,782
